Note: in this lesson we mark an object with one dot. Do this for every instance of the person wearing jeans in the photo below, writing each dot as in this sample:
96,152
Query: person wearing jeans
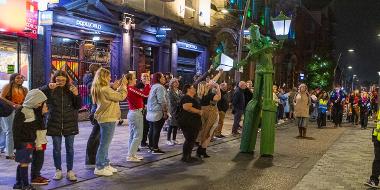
107,114
14,94
135,99
107,131
157,107
7,123
63,102
2,138
69,145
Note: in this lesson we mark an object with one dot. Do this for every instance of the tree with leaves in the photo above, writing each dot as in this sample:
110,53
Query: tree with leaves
319,73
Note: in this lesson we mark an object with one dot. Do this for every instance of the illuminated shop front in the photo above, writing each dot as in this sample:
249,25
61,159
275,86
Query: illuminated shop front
73,43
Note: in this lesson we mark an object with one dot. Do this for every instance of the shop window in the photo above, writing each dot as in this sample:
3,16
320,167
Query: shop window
186,65
147,59
14,58
75,57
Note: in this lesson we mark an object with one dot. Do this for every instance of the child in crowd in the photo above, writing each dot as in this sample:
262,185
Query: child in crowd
28,119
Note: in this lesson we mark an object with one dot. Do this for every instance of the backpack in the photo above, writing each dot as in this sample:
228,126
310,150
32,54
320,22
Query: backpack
5,108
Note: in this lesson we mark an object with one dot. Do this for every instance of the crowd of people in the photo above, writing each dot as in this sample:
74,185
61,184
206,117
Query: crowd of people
154,101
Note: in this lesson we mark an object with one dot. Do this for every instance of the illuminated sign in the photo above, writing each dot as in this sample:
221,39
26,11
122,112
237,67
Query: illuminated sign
46,18
24,23
81,23
190,46
89,25
161,35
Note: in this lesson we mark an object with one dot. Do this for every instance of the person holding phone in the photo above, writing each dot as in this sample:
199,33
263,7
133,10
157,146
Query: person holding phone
135,99
107,114
63,101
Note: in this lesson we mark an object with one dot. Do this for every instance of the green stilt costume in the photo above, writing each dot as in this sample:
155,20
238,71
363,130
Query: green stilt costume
261,109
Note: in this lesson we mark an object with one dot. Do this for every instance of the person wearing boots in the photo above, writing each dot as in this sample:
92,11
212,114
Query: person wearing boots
301,110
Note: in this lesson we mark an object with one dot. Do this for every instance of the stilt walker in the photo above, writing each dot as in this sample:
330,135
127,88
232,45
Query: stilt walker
261,109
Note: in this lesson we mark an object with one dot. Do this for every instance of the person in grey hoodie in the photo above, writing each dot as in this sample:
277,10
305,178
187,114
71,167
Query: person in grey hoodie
28,119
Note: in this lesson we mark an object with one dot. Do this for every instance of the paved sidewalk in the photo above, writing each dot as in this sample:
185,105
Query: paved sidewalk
346,165
118,152
227,168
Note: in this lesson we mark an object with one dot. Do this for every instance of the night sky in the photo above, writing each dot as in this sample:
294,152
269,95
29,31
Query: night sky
358,23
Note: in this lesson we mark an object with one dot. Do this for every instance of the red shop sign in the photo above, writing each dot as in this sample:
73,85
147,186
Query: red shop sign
31,18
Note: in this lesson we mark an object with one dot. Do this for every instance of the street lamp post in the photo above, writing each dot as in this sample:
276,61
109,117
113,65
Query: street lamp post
338,64
241,34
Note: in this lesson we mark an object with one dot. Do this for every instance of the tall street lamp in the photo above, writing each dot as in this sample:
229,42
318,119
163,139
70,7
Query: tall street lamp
338,63
281,25
241,34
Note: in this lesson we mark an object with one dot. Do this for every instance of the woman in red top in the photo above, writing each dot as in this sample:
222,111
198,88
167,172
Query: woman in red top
135,117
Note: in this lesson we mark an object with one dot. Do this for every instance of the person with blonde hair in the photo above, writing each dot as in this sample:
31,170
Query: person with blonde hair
209,94
107,114
301,109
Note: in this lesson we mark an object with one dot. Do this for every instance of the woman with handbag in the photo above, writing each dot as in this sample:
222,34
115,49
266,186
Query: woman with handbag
14,94
157,111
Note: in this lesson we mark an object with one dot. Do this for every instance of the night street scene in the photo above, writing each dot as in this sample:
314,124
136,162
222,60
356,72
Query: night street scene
189,94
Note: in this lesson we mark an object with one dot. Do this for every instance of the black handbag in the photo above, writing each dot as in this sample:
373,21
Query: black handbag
5,108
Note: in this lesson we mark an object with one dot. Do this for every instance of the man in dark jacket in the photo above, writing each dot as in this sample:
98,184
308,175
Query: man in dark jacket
248,93
222,107
238,103
144,77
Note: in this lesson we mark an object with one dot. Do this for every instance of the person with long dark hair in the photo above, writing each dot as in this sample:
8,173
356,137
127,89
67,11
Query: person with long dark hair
157,111
14,94
63,102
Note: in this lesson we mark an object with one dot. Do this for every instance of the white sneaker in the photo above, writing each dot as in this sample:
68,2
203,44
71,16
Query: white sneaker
110,168
58,175
71,176
170,143
133,159
139,157
176,142
102,172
